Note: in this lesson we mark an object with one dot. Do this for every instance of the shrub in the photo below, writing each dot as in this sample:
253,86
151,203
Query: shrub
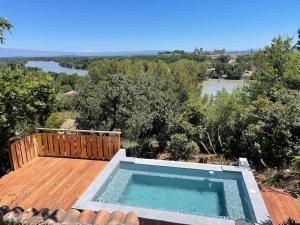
180,147
65,88
55,120
296,162
64,102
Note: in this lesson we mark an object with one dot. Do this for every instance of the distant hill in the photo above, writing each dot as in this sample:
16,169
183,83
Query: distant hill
6,52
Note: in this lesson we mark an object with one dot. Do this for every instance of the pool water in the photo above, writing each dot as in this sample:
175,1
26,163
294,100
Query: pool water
190,191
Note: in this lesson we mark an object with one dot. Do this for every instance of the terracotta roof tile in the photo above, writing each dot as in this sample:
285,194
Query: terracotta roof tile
57,216
27,214
72,216
32,216
87,216
13,216
101,218
116,218
131,219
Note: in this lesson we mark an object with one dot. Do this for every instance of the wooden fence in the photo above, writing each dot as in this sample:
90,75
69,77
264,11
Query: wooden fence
98,145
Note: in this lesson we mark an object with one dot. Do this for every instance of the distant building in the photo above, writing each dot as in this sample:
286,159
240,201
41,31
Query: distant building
219,51
198,51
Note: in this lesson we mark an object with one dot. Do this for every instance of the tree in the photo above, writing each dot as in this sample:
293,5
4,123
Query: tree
5,25
291,78
270,66
139,105
26,98
297,45
296,162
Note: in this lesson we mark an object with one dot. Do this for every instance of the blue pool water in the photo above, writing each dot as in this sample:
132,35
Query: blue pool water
197,192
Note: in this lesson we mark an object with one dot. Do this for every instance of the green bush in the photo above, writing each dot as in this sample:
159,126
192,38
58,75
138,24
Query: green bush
65,88
144,149
64,102
26,98
180,147
296,162
55,120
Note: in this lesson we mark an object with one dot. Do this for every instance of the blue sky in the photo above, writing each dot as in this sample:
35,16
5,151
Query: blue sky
129,25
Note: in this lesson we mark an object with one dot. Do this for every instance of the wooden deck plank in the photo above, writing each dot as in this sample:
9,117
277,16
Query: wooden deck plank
14,157
27,148
99,147
25,176
23,151
83,147
78,146
89,147
56,144
105,147
61,145
281,206
19,154
72,143
287,206
45,151
67,145
50,144
94,146
48,182
110,148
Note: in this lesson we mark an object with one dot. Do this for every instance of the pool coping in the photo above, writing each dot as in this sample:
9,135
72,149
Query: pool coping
258,205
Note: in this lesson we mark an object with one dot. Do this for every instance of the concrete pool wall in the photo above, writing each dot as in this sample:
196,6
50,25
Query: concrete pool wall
258,205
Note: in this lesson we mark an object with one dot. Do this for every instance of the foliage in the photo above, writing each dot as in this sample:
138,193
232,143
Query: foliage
297,45
65,102
296,161
266,133
223,59
26,98
55,120
271,66
181,147
291,76
139,105
184,75
5,25
65,82
262,123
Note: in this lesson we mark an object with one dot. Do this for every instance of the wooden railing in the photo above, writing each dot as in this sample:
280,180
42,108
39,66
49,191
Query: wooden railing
23,151
81,144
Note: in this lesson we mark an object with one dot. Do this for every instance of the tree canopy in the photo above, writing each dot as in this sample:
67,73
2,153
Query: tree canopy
26,98
5,25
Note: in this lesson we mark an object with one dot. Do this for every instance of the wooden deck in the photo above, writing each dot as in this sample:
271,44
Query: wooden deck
48,182
281,206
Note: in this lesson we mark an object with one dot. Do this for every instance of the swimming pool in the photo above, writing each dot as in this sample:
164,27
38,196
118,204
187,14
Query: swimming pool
172,190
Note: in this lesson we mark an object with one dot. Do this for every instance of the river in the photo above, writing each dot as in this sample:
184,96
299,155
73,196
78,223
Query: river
51,66
212,86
